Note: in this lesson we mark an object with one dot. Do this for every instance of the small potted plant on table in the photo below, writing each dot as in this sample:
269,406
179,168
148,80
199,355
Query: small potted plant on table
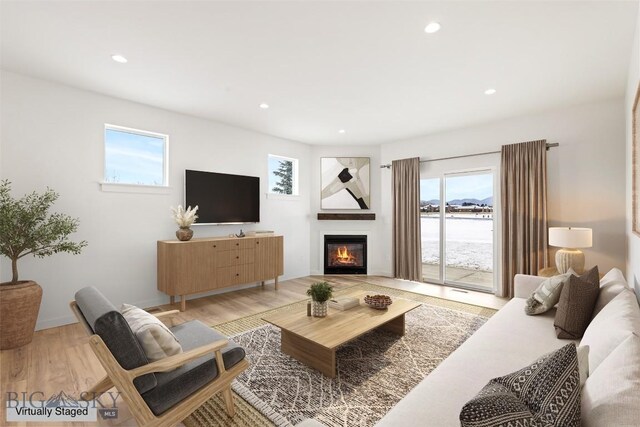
320,293
27,228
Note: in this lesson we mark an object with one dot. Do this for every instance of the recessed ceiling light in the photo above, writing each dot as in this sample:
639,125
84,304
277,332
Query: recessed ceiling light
432,27
119,58
490,91
264,105
341,131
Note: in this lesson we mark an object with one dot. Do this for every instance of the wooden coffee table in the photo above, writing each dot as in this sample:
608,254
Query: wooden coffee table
314,340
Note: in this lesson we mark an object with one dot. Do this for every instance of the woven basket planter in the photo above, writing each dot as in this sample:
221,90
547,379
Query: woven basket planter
19,306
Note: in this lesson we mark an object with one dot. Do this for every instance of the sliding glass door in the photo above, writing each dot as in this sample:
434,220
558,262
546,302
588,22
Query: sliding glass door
458,235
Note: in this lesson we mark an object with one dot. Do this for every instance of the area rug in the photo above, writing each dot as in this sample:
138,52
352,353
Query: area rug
375,371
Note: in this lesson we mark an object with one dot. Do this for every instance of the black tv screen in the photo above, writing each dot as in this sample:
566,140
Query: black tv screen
223,198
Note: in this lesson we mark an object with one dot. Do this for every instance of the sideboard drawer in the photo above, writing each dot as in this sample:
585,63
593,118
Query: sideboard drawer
234,275
236,257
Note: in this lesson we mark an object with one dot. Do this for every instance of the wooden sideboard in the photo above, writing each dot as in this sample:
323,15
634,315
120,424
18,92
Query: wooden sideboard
202,265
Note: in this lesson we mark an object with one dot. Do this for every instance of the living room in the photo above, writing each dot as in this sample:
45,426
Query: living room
232,83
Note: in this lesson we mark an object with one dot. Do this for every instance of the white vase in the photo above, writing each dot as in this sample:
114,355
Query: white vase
319,309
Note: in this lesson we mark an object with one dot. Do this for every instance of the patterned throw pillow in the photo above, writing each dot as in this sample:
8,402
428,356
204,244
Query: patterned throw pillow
547,295
154,337
577,301
545,393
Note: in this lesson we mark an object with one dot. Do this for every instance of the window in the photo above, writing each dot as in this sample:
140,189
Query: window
283,175
134,156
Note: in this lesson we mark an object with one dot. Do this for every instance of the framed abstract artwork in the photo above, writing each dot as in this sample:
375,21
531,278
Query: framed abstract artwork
345,183
635,164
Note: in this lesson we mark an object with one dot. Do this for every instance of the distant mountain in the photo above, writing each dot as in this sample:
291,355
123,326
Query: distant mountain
488,201
429,202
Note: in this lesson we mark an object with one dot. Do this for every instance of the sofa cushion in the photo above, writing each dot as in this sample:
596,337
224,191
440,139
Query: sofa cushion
617,320
508,341
178,384
548,390
611,395
610,286
577,300
156,339
546,295
109,324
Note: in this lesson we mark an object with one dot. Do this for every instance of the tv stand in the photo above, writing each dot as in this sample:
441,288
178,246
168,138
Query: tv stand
202,265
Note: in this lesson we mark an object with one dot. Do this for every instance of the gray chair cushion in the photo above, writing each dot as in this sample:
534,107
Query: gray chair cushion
93,304
107,322
180,383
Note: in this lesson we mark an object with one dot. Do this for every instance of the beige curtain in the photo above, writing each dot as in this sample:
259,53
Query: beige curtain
523,195
407,252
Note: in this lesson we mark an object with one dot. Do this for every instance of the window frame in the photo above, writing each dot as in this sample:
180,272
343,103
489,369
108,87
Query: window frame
133,187
294,178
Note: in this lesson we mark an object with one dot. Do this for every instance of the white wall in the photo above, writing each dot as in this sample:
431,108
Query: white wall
370,228
633,240
585,173
52,135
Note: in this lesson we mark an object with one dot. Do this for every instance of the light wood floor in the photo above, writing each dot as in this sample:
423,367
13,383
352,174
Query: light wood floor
60,358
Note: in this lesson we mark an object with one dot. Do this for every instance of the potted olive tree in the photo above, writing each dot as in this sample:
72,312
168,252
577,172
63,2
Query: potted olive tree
27,228
320,293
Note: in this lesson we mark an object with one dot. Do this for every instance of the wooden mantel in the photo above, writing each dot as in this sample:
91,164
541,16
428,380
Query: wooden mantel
347,216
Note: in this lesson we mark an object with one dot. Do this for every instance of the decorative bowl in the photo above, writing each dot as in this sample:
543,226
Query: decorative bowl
379,302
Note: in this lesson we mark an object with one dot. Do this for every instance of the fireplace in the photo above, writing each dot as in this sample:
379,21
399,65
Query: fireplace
345,254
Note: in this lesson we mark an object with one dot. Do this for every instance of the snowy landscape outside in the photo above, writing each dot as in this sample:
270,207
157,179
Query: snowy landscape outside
469,241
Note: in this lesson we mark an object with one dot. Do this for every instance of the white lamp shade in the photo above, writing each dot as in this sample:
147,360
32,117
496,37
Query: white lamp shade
570,237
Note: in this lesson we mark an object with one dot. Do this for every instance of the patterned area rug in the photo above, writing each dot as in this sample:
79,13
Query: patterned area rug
375,371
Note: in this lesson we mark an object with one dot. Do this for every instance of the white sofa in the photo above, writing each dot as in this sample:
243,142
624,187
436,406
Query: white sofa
509,341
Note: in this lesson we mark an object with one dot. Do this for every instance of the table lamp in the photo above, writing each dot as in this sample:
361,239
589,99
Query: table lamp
570,239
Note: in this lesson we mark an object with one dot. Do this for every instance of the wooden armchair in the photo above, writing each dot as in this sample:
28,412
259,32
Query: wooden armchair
164,392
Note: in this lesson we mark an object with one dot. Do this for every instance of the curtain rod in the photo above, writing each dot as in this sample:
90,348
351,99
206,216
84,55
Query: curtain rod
388,166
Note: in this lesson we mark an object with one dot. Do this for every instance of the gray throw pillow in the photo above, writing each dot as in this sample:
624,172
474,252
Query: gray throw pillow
545,393
577,301
547,295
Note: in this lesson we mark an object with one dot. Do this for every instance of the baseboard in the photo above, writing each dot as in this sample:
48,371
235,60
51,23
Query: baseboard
56,321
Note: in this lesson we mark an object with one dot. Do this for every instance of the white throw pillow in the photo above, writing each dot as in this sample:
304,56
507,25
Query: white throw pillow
610,286
547,295
154,337
611,396
583,363
615,322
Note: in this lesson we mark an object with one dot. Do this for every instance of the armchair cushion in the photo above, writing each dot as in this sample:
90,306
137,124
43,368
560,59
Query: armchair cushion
176,385
154,337
107,322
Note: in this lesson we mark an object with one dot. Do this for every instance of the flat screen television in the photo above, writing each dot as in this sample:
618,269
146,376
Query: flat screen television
223,198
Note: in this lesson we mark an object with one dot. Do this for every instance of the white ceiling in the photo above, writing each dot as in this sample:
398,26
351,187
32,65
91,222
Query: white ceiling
367,67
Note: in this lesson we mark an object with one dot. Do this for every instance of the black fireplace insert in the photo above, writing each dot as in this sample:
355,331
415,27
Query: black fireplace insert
345,254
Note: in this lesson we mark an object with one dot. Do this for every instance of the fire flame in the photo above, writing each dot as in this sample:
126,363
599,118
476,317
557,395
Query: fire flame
344,256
